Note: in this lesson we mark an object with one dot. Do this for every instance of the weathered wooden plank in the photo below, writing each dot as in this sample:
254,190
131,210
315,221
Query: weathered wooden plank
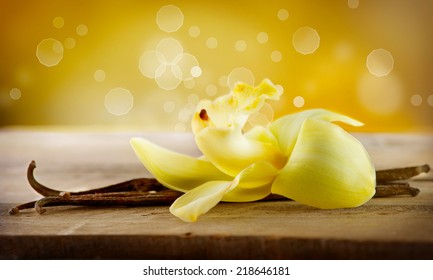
397,228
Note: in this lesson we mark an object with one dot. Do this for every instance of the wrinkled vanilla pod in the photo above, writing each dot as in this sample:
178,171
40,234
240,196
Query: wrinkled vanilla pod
148,191
398,174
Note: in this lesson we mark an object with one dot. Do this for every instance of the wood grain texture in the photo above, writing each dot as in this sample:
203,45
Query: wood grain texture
384,228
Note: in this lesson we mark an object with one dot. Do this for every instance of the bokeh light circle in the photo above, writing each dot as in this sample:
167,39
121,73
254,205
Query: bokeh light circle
15,93
262,37
196,71
211,90
169,18
240,45
82,30
282,14
240,74
298,101
430,100
99,75
353,4
280,89
380,95
69,43
194,31
306,40
380,62
119,101
58,22
49,52
416,100
212,43
276,56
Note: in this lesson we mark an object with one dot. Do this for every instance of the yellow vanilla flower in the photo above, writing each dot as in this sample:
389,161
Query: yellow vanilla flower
303,156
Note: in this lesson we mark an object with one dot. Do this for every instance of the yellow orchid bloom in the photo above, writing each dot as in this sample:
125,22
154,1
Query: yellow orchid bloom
303,156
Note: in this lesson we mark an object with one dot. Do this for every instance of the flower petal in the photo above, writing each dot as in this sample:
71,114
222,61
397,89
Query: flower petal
231,152
173,170
251,99
257,174
199,200
262,134
253,183
328,168
286,129
240,194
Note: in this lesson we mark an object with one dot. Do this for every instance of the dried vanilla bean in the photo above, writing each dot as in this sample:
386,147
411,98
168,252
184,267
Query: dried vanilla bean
109,199
15,210
148,191
398,174
395,189
142,184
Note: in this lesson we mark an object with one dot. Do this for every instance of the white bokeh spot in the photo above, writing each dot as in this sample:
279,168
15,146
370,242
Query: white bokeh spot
69,43
298,102
119,101
82,30
15,93
306,40
353,4
282,14
58,22
212,43
416,100
380,62
240,45
430,100
194,31
99,75
262,37
196,71
169,18
49,52
276,56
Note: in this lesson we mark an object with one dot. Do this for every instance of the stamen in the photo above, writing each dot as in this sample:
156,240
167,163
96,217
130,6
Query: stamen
203,115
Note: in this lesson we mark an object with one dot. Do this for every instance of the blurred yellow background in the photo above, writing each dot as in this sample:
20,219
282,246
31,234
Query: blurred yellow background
145,64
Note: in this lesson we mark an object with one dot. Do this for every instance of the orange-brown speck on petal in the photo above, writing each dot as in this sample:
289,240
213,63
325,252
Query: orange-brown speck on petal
203,115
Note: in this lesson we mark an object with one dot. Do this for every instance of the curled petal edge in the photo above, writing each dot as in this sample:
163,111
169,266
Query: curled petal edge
286,129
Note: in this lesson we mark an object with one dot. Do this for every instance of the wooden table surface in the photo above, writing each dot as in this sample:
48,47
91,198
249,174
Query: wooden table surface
384,228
